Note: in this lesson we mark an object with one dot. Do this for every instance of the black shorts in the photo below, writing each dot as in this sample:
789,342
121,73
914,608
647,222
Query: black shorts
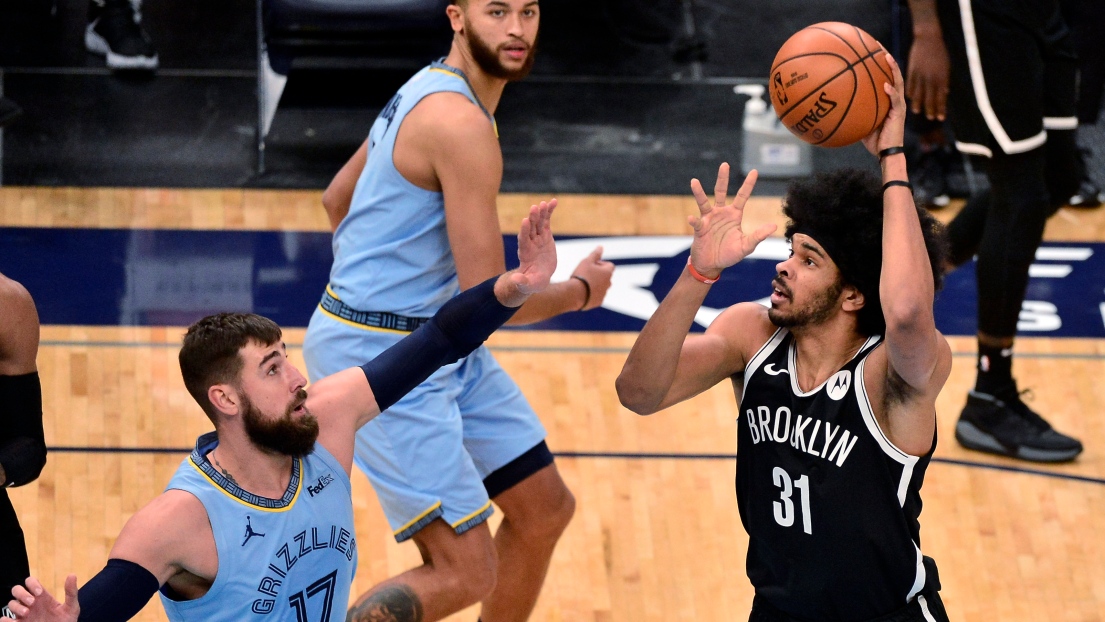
1013,73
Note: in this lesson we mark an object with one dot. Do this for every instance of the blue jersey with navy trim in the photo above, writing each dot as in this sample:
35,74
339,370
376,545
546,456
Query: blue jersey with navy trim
391,251
289,559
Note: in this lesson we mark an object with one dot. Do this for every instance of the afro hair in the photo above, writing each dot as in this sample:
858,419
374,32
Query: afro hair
846,206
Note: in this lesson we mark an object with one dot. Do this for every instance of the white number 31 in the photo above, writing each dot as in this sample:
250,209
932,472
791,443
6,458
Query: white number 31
784,507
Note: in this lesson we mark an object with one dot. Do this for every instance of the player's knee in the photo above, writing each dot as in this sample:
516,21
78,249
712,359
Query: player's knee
465,563
562,514
472,572
480,580
545,522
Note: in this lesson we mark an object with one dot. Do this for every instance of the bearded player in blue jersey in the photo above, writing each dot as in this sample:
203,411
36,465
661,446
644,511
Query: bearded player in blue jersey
257,524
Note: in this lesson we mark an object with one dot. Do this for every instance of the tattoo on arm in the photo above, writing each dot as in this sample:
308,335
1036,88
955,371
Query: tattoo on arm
394,603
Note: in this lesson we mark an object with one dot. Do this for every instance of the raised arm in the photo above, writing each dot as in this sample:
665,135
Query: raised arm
918,359
666,366
906,285
350,398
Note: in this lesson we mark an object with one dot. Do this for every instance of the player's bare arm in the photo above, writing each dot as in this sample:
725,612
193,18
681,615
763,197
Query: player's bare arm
447,144
916,360
19,340
339,194
345,401
666,366
169,542
25,454
929,67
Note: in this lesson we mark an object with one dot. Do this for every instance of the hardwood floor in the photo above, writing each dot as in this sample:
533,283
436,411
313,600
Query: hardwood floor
656,535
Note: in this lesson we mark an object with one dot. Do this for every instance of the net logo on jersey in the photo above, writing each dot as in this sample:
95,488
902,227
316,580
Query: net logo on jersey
838,385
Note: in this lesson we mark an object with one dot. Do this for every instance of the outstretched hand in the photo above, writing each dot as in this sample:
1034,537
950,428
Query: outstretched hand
34,604
892,131
719,239
536,250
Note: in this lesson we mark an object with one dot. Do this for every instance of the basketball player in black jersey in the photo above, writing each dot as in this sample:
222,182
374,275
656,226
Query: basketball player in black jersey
22,442
837,379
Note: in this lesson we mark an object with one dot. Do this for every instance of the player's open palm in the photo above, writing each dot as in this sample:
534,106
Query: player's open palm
719,239
34,604
536,249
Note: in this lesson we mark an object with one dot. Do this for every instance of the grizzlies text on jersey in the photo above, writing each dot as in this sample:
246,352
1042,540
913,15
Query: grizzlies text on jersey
289,559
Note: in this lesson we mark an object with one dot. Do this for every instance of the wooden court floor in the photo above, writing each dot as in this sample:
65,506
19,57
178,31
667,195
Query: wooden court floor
656,535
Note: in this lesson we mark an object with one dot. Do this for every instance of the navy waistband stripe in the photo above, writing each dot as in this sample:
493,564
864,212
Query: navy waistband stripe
371,319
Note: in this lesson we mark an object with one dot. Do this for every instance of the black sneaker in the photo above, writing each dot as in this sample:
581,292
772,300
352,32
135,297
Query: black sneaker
1088,195
930,178
117,35
9,111
1010,428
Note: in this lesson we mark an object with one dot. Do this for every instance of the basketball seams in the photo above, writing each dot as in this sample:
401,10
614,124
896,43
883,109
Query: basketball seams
848,67
851,50
874,89
845,41
844,114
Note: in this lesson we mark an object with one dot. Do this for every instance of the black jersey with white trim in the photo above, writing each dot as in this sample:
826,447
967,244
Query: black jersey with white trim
829,503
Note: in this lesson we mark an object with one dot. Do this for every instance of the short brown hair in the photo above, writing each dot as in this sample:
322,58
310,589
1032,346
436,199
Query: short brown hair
210,353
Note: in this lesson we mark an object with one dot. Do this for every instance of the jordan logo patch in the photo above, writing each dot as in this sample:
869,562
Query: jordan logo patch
250,532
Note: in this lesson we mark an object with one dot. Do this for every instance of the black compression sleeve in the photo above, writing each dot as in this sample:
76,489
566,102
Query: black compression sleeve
117,593
458,328
22,443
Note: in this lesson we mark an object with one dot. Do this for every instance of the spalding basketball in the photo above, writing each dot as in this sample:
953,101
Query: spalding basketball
827,84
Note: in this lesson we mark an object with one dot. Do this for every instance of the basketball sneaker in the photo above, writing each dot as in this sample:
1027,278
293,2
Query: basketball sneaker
117,35
1088,195
1005,425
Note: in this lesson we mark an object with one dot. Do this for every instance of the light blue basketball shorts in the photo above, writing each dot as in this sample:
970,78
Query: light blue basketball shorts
427,455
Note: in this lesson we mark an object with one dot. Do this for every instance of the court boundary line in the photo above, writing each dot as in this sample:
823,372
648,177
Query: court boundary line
624,456
55,343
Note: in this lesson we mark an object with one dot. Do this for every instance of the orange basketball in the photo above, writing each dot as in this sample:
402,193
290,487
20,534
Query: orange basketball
827,84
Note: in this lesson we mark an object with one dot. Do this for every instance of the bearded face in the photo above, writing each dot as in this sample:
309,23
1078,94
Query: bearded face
288,434
816,309
489,57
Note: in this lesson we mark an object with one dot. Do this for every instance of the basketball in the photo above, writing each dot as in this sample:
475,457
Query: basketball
827,84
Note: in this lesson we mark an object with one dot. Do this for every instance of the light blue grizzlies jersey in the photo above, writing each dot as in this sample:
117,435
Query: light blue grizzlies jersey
290,559
391,252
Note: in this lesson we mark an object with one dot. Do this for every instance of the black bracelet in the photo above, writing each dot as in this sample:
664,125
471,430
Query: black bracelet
897,182
586,285
889,151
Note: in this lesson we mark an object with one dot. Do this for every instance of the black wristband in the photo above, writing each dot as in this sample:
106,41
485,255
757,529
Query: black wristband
889,151
897,182
587,300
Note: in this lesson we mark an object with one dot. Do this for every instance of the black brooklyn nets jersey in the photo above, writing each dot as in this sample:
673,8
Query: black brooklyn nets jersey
829,503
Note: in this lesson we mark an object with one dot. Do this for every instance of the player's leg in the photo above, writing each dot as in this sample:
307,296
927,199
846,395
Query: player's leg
458,570
506,442
413,454
536,511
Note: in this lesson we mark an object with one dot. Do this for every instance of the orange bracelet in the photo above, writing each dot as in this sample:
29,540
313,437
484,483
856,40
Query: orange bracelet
698,275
